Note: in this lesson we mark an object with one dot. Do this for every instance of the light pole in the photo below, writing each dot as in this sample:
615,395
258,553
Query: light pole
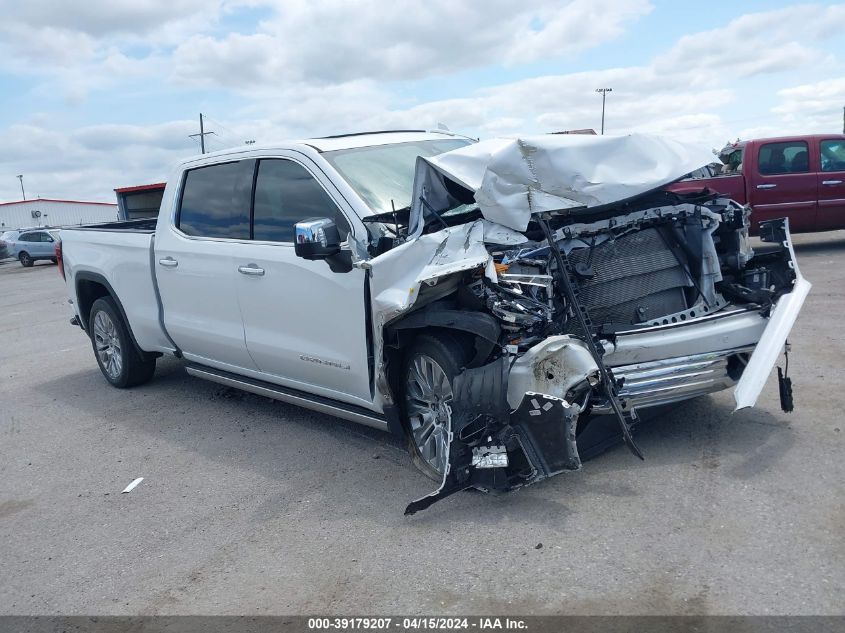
23,193
603,92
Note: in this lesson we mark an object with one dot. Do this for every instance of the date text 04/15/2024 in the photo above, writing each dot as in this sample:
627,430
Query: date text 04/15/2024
416,623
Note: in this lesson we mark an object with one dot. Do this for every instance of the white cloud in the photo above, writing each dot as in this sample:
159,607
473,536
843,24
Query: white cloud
815,107
331,41
756,43
98,18
79,46
314,69
89,162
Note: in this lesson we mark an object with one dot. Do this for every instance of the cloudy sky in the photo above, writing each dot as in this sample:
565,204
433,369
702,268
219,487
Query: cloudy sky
97,94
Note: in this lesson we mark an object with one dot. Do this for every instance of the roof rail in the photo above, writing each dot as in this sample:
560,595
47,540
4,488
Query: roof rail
373,132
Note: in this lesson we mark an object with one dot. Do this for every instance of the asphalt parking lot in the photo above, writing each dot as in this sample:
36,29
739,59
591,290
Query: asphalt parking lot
253,506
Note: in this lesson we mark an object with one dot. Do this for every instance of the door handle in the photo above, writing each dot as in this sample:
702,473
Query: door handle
169,262
768,186
831,182
252,269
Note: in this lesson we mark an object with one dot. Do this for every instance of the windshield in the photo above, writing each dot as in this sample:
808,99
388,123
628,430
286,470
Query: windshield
382,173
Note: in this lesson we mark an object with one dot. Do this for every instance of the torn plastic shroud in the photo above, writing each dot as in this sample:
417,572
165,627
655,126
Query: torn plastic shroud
538,436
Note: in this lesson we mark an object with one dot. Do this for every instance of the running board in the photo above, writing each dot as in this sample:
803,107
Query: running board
291,396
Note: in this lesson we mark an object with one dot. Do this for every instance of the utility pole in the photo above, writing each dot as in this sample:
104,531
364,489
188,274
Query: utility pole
603,92
23,193
202,135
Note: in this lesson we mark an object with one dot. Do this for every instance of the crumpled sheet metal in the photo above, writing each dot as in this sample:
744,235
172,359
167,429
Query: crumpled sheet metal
398,274
515,178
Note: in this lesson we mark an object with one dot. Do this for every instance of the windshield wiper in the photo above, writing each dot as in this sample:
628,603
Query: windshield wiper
434,213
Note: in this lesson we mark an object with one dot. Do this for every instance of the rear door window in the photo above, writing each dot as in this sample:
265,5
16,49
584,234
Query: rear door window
790,157
832,155
214,202
27,237
287,193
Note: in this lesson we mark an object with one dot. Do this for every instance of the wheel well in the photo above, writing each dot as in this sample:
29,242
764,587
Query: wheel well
87,292
395,353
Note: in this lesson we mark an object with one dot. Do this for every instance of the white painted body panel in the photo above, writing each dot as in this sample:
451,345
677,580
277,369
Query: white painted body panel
303,324
200,298
771,344
124,260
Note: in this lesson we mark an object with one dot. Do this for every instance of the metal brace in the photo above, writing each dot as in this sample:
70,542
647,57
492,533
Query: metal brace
566,279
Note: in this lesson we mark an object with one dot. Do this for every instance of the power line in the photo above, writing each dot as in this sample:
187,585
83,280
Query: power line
230,136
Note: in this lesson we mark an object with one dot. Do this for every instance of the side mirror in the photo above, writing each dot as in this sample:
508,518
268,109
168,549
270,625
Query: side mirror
316,238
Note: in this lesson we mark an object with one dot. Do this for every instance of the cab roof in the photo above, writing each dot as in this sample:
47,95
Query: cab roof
331,143
368,139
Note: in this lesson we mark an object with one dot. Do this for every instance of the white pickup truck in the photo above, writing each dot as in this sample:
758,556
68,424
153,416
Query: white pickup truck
498,304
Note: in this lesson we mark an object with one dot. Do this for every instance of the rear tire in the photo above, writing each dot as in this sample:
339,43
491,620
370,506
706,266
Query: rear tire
26,260
427,377
120,362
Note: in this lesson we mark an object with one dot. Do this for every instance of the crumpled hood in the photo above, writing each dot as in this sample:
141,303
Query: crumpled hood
512,178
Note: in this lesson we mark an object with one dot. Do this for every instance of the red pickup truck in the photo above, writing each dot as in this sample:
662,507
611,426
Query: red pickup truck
798,177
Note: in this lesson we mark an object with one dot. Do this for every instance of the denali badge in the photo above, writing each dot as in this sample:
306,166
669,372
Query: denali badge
328,363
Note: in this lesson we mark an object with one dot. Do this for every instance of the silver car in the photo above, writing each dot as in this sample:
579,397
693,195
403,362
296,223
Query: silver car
30,245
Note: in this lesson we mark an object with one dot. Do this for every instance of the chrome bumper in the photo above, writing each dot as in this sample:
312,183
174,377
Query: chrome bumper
671,380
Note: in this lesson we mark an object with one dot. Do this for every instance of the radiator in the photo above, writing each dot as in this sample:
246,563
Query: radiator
637,278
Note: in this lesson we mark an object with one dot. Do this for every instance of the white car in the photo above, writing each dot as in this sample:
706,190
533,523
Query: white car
492,303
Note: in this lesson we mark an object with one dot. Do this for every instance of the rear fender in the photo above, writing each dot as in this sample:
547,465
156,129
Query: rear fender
86,298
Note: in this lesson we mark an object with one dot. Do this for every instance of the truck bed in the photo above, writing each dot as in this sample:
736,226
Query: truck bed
144,225
117,256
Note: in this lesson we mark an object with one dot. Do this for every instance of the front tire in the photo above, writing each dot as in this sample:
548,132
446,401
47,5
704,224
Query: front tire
428,372
26,260
121,364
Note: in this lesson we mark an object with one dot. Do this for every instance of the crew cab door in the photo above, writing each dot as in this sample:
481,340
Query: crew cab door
305,325
196,267
831,183
783,185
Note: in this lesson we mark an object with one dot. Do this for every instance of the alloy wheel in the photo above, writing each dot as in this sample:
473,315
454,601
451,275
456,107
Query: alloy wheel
107,343
427,397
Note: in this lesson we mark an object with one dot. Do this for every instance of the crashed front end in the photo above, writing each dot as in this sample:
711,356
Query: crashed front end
627,299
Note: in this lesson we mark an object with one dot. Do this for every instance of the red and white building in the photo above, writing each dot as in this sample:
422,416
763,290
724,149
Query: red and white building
50,212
